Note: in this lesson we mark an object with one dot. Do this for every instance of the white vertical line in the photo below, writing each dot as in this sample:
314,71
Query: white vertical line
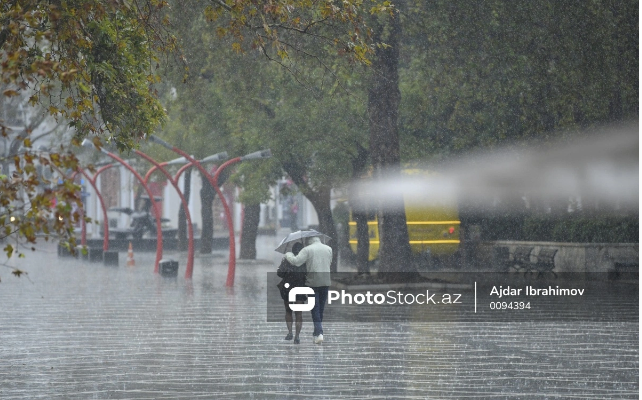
475,296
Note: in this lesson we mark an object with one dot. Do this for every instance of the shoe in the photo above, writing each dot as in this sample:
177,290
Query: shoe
288,336
296,340
318,339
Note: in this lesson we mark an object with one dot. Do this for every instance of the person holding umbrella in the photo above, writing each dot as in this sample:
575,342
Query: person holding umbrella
292,277
317,257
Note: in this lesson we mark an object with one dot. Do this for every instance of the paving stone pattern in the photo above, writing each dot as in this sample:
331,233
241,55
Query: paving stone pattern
76,330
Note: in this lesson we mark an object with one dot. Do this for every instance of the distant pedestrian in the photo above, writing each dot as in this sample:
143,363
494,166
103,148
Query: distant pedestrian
317,257
294,215
293,277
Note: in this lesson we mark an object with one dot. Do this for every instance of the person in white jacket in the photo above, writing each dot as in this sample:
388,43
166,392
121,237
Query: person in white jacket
317,257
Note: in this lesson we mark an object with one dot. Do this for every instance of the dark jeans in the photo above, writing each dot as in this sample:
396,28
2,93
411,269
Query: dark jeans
320,298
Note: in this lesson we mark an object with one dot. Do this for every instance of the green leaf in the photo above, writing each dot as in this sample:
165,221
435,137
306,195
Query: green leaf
8,249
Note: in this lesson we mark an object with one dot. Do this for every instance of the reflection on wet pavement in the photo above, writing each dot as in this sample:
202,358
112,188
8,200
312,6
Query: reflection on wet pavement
76,330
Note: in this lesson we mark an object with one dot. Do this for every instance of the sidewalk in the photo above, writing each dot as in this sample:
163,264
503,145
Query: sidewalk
74,330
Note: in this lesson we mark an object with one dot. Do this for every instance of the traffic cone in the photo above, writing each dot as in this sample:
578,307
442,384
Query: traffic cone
130,256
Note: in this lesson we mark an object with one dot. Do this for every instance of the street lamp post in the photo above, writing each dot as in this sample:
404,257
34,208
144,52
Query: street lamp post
228,216
92,182
159,233
190,228
180,160
213,181
212,158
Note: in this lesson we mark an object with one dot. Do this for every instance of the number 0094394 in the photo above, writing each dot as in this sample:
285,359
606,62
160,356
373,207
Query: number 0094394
510,305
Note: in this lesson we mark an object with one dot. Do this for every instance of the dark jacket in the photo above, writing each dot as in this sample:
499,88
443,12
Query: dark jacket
295,276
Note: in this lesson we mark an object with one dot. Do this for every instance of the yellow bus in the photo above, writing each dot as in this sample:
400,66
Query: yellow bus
432,228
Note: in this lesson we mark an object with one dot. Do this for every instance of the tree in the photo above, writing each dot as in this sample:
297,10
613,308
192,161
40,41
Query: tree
197,120
249,231
24,121
87,64
93,63
255,179
32,198
291,32
383,107
359,214
258,105
476,75
313,138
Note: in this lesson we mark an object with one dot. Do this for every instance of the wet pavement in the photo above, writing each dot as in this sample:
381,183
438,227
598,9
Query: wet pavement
71,329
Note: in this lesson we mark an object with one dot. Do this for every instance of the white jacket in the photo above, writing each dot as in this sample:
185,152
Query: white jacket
317,257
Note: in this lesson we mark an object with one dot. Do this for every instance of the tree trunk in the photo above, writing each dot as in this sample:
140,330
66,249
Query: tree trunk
182,221
360,214
320,199
383,107
207,215
250,229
